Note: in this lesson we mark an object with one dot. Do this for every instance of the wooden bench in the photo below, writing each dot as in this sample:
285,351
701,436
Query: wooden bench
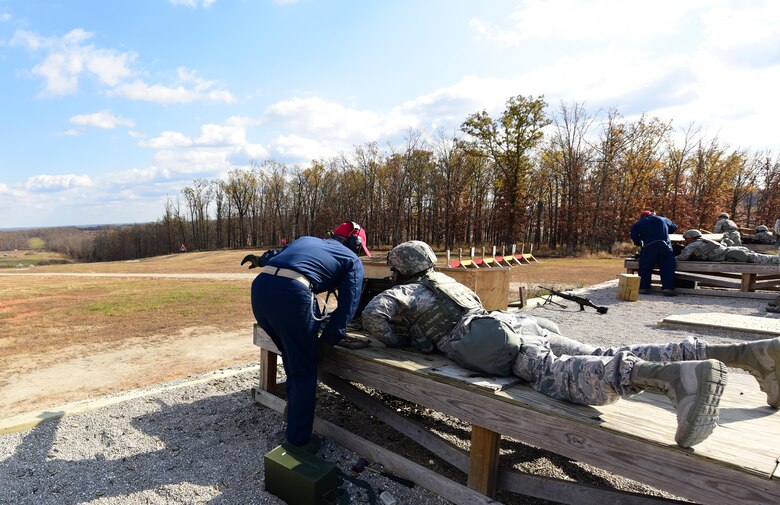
634,438
746,278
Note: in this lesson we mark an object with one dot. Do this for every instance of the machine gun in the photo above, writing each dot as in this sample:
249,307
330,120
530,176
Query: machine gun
581,300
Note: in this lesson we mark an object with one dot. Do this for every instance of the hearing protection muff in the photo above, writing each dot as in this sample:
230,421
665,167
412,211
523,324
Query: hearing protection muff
354,242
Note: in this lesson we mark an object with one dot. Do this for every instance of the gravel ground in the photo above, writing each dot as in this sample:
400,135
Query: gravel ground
204,443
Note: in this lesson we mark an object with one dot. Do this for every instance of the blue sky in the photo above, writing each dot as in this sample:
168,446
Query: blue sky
109,107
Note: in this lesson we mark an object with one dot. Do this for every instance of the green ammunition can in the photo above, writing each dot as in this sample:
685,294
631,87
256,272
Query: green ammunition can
299,477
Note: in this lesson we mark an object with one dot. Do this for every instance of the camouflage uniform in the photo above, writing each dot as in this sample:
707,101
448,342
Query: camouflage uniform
761,236
703,249
554,365
729,230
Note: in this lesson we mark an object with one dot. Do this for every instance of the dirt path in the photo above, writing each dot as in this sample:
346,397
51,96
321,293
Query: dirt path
79,372
42,380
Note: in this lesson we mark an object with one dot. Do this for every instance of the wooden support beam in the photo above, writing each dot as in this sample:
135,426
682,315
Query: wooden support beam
483,461
748,282
437,445
268,370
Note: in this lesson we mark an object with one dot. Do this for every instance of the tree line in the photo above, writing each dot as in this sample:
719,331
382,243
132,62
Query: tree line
567,180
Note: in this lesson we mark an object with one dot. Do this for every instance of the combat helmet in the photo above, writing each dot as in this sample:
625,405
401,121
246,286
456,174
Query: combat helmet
411,257
693,233
724,215
761,228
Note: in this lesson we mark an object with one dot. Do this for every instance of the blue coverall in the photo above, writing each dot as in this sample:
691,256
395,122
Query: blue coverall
286,310
651,233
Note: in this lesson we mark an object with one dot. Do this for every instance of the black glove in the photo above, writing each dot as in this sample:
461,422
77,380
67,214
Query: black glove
252,260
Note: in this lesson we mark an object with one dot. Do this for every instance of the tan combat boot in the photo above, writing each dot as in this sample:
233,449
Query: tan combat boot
694,387
761,358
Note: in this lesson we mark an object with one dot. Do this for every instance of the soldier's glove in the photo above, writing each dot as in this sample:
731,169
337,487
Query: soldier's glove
252,260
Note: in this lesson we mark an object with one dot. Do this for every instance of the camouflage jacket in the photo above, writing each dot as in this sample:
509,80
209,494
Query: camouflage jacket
388,315
761,237
703,249
725,225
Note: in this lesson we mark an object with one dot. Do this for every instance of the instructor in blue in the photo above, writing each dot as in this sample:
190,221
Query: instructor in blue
285,306
651,233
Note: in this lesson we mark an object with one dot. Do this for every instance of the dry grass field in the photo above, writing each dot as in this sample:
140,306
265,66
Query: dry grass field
69,337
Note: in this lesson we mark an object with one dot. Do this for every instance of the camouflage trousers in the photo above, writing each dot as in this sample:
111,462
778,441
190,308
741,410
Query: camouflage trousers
731,238
764,259
568,370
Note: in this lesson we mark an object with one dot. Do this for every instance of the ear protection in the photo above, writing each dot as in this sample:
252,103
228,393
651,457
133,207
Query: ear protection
354,242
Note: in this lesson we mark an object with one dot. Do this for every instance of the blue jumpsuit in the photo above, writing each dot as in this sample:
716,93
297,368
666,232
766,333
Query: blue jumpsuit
652,234
286,310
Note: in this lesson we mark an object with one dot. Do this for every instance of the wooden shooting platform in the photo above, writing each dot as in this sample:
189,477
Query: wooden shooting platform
741,279
769,326
634,438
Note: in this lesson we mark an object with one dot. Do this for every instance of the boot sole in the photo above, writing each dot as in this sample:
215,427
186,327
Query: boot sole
701,413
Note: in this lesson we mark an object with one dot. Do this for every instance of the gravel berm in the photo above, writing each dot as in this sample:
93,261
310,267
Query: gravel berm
203,441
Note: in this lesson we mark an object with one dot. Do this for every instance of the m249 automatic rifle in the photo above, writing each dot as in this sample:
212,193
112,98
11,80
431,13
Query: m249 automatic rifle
581,300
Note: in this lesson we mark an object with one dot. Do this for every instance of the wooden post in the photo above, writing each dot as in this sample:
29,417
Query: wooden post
483,461
267,370
748,282
523,296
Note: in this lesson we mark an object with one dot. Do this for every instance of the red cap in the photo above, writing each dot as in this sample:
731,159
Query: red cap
352,229
646,213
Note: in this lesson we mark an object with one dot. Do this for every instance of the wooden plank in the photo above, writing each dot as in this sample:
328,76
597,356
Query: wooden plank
719,320
422,476
724,293
707,280
461,374
483,460
573,493
715,266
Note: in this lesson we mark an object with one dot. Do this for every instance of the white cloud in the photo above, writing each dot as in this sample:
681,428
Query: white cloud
598,19
71,132
729,25
193,3
295,146
216,149
167,140
70,57
215,135
194,161
137,175
485,31
5,16
333,120
139,90
57,182
103,119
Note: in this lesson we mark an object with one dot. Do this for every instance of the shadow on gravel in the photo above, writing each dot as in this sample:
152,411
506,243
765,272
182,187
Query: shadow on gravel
210,450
